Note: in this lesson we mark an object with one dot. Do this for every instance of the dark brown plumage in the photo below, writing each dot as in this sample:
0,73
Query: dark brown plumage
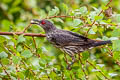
69,42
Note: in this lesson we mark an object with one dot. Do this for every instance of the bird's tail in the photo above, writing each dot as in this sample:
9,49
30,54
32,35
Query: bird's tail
98,43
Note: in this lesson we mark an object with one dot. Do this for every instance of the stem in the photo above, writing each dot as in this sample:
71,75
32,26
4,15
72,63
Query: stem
25,34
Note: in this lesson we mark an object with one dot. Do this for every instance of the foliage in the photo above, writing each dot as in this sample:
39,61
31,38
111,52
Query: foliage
26,57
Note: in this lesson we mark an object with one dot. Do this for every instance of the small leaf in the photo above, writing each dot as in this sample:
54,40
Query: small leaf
101,65
116,45
83,10
20,75
5,61
39,50
35,61
116,32
112,74
16,59
85,55
20,39
104,7
95,70
2,39
64,8
91,31
94,28
116,55
76,22
118,18
98,17
6,25
3,54
54,11
19,48
26,53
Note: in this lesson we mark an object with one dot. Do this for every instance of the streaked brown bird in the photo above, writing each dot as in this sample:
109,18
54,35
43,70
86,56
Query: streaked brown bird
69,42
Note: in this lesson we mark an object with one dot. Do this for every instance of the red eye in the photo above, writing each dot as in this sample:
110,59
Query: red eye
42,22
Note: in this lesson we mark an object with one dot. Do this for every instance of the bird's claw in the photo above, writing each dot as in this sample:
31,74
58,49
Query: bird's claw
69,67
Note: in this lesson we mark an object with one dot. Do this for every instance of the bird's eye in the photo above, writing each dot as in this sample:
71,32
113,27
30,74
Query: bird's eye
43,22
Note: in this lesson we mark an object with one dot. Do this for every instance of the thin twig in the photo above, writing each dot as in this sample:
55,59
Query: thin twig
26,28
89,25
111,54
96,68
25,34
98,15
34,42
66,59
64,16
62,76
71,77
17,71
5,71
86,76
99,70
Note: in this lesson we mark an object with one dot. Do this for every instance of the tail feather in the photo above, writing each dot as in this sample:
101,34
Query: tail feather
99,43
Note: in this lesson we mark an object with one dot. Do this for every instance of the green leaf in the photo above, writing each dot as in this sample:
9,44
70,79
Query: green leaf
14,10
116,55
116,32
64,8
26,53
2,39
83,10
3,54
104,7
116,45
5,61
6,25
20,39
54,11
112,74
20,75
91,31
98,17
16,2
94,27
6,1
34,61
76,22
53,75
85,55
19,48
118,18
16,59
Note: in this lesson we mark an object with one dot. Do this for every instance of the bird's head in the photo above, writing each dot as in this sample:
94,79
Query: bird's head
45,24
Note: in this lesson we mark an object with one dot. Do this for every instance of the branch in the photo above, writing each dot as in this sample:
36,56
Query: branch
86,76
64,16
111,54
6,71
99,70
25,34
98,15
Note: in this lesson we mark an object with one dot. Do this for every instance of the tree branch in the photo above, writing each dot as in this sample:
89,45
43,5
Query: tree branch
25,34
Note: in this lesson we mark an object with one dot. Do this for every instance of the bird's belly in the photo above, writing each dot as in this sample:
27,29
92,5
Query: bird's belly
71,50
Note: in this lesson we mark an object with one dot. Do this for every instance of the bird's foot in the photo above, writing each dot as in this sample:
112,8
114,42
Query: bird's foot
69,67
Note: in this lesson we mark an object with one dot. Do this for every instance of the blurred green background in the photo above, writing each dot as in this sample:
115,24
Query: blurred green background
21,60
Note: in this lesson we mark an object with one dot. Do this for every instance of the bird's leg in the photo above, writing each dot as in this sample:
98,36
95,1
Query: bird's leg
73,61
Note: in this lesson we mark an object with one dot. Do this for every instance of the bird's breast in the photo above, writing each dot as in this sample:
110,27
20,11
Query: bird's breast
53,40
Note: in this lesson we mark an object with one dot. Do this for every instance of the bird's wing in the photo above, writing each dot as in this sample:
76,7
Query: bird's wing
69,39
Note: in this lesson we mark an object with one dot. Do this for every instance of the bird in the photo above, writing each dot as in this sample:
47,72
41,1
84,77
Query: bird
67,41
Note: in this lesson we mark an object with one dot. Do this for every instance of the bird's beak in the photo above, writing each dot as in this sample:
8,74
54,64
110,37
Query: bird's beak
35,21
